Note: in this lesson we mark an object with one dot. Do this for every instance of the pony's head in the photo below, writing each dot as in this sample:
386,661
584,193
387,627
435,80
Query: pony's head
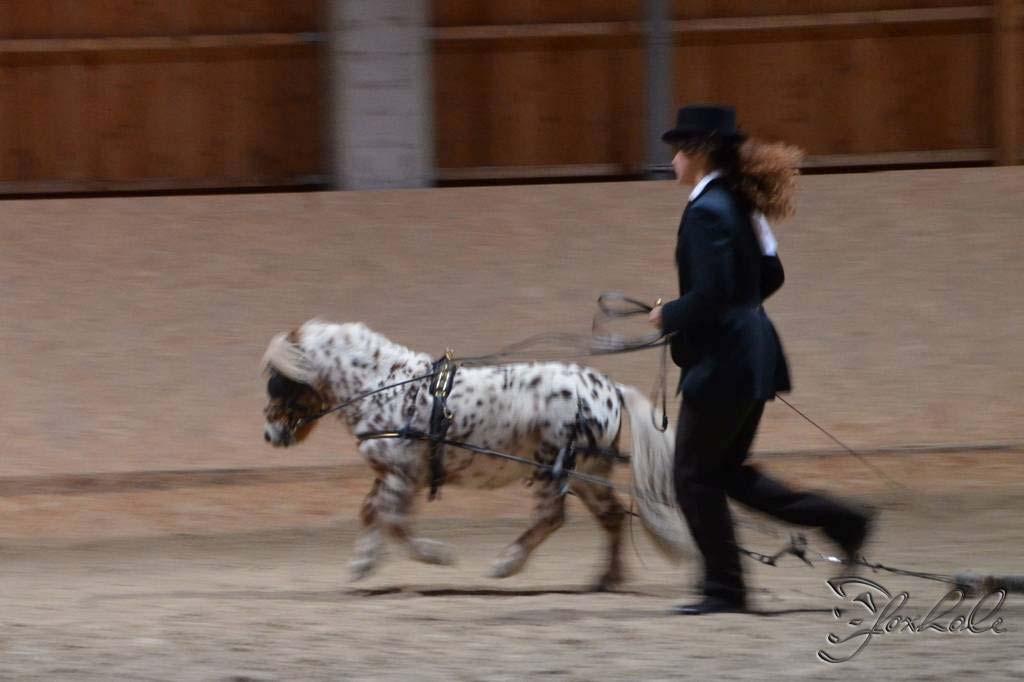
294,403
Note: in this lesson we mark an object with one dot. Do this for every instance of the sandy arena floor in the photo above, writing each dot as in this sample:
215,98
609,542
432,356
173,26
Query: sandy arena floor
148,596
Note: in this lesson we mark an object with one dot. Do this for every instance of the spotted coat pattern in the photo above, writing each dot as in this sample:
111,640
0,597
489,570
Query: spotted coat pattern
525,409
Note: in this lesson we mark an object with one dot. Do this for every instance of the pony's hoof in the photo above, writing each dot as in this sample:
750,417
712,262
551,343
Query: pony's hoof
607,583
360,569
432,552
510,563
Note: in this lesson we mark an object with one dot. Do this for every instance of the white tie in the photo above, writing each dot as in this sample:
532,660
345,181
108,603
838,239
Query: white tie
763,230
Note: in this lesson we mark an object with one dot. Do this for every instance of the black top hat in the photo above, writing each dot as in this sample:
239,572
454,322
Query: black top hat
704,121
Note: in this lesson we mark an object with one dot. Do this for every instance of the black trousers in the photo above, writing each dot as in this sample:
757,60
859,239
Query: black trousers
712,444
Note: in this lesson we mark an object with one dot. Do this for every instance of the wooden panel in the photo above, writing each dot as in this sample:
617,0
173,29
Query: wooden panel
86,18
145,94
936,19
1020,81
208,41
483,12
694,9
1006,64
488,12
906,80
576,104
104,118
866,20
850,95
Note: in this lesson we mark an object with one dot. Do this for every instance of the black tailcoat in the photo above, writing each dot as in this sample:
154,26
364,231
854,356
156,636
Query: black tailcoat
724,342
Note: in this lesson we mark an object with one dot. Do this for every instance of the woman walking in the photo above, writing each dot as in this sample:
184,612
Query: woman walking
731,357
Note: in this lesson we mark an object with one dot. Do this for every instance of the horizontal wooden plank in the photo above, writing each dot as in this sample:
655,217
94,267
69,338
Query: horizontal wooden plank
909,158
479,12
913,158
150,43
706,9
520,31
19,187
578,170
836,19
726,24
94,18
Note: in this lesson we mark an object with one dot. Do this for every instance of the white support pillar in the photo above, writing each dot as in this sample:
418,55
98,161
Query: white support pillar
381,99
660,92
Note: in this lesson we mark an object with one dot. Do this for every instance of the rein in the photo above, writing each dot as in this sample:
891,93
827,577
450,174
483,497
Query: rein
616,305
593,345
361,396
611,305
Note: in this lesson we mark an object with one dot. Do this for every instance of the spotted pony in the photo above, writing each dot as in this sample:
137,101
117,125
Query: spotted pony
526,409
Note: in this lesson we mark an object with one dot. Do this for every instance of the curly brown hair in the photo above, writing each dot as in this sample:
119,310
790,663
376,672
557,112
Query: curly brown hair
763,174
767,176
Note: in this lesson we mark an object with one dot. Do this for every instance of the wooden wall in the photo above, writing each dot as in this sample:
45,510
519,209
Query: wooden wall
852,81
145,94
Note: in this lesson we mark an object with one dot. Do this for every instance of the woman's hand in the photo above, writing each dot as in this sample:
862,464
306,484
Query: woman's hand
654,317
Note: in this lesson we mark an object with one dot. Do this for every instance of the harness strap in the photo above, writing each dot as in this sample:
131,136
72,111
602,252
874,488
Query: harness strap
440,418
565,462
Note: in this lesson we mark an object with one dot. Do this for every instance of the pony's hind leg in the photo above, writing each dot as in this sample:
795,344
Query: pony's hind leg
369,543
548,516
393,507
609,512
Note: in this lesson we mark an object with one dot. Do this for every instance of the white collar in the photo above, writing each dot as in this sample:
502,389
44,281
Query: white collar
702,183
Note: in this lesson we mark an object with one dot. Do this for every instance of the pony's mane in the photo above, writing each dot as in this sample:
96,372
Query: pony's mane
287,358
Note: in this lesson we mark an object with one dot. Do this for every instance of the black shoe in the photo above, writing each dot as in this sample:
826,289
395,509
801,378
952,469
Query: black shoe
852,541
710,605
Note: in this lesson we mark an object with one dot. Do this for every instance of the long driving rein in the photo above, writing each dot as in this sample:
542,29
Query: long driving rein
442,376
595,344
610,305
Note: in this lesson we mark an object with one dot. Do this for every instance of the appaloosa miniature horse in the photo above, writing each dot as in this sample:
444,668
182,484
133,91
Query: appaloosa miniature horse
526,409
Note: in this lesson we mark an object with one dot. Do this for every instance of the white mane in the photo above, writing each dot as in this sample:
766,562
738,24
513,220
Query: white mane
288,359
307,355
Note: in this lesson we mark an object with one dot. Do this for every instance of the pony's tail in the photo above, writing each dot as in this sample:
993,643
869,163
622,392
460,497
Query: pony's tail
653,484
286,357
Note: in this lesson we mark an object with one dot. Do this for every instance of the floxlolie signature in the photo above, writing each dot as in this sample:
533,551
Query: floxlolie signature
885,616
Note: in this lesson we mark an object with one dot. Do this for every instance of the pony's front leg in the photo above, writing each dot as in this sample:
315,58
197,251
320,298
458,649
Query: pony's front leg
548,516
369,543
394,505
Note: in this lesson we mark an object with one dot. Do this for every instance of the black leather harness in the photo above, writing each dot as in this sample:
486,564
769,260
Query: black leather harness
442,377
440,417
